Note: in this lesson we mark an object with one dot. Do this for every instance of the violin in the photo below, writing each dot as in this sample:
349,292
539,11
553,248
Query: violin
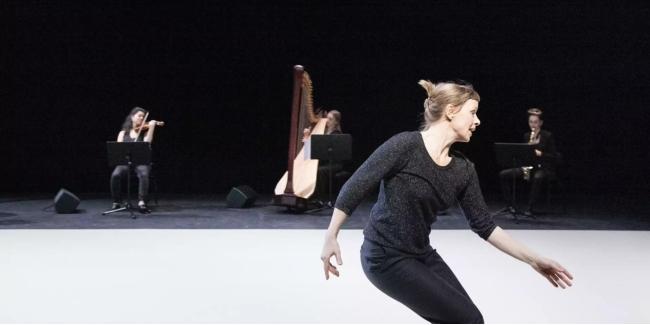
145,126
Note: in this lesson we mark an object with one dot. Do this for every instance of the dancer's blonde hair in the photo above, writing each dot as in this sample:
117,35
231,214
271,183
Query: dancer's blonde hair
441,94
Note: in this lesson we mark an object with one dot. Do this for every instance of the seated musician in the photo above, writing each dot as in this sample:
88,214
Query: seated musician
543,168
333,126
134,129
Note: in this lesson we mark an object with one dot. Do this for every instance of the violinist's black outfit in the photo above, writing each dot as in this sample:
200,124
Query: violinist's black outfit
142,171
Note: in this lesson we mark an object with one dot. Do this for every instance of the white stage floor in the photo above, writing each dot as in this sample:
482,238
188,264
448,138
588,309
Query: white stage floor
252,276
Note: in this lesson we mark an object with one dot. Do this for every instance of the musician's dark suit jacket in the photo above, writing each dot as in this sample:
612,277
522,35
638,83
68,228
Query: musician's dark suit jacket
549,159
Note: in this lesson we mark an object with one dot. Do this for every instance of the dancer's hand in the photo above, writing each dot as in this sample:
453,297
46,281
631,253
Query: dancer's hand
553,271
330,247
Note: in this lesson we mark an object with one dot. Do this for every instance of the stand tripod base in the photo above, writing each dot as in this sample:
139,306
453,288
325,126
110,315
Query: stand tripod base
291,202
514,213
126,208
321,206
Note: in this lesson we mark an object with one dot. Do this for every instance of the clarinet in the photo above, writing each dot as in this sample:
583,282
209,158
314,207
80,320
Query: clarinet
527,169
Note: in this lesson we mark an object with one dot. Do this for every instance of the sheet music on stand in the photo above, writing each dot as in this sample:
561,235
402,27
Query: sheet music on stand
121,153
130,154
329,148
336,147
513,155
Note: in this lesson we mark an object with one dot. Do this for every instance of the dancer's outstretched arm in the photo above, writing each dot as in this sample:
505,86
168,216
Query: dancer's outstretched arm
331,245
550,269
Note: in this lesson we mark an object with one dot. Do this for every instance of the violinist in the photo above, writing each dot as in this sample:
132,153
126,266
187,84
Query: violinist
134,129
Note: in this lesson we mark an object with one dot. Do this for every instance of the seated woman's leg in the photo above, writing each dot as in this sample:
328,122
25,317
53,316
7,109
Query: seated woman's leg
143,176
506,176
537,181
116,182
323,181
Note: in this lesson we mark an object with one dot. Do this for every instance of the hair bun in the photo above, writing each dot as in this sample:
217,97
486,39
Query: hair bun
535,111
428,86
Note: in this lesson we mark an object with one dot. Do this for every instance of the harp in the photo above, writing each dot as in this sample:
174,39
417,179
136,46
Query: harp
299,181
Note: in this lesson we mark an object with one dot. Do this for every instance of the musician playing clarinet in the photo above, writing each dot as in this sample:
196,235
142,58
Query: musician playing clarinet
545,161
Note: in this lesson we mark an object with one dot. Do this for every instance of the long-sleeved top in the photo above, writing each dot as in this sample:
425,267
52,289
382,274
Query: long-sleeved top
412,189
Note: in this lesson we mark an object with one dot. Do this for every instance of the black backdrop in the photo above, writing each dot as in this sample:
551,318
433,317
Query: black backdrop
219,74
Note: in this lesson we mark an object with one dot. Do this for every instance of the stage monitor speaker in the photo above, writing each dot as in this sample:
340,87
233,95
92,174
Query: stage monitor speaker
65,202
242,196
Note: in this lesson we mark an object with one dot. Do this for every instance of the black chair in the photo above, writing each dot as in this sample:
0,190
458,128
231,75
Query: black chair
339,179
555,186
153,182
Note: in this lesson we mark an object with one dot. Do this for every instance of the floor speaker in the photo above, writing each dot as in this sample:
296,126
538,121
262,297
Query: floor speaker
241,197
65,202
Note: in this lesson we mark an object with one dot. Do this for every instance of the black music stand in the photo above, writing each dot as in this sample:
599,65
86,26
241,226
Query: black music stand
129,154
330,148
513,155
